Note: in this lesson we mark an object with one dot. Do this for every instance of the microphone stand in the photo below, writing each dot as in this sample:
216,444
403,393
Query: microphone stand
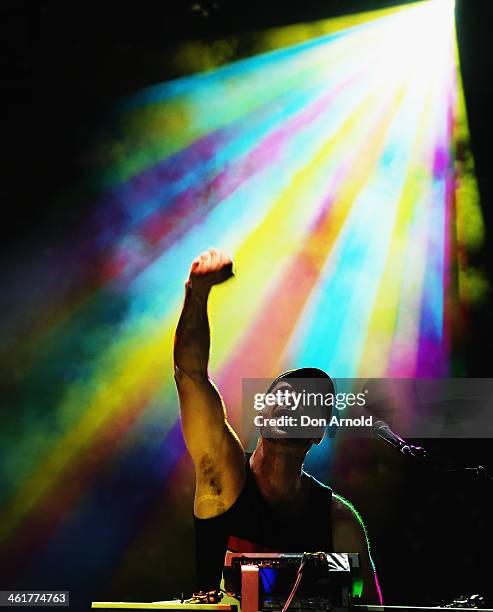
478,472
383,431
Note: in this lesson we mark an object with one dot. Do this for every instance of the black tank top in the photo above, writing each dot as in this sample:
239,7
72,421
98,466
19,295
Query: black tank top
251,525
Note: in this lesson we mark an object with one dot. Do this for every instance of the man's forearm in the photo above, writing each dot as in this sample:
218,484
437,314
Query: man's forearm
192,338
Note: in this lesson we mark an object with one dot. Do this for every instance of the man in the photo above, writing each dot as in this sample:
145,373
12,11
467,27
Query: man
264,501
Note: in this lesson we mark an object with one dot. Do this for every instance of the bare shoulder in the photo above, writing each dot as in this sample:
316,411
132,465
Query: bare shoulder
348,529
343,509
220,475
350,536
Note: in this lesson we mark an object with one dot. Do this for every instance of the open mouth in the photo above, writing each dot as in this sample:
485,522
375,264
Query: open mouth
282,411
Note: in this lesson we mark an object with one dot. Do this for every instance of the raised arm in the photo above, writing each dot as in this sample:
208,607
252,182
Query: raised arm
215,449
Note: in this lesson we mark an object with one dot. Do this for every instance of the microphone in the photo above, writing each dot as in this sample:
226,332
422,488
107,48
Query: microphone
382,430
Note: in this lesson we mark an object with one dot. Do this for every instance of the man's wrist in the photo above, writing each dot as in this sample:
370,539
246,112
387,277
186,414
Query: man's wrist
195,291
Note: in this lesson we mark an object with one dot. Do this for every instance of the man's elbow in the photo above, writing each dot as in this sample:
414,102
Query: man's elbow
184,372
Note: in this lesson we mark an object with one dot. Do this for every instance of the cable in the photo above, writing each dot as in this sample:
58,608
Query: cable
297,581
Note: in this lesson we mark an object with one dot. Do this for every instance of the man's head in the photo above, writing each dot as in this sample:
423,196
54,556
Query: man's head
301,405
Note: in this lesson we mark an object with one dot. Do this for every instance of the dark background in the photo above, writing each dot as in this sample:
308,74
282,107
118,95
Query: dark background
64,65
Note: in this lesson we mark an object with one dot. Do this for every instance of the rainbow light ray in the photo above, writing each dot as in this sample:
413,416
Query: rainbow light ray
329,168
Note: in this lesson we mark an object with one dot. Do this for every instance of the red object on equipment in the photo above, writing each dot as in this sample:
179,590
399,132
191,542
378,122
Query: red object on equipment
249,588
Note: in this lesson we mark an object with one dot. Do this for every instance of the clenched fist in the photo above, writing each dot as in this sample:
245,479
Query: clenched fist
211,267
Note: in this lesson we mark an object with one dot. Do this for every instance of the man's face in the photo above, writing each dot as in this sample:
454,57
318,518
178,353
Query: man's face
279,405
282,414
